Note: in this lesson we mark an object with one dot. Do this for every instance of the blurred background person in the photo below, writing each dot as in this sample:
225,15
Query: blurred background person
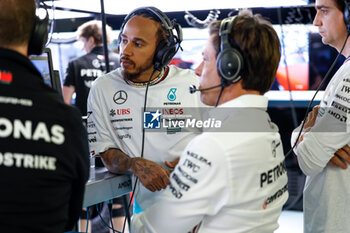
82,71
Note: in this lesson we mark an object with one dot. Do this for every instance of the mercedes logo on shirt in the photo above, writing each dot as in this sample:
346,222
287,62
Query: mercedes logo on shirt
120,97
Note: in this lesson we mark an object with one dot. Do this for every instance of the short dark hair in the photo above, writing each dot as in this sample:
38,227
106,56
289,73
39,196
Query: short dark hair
16,21
340,4
161,33
260,48
93,28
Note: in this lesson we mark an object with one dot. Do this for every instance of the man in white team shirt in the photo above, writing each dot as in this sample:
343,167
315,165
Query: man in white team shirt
231,179
324,143
116,101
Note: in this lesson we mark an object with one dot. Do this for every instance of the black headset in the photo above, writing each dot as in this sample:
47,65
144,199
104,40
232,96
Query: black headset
39,34
230,60
346,14
167,48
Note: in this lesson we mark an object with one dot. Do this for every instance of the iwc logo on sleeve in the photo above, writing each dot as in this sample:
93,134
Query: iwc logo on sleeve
120,97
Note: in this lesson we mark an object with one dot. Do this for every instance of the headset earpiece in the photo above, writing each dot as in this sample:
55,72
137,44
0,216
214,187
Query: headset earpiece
346,14
167,48
230,60
39,35
163,54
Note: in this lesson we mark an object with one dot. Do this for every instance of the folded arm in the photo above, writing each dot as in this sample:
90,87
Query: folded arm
152,175
322,142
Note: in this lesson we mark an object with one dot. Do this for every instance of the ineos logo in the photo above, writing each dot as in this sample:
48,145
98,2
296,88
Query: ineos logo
120,97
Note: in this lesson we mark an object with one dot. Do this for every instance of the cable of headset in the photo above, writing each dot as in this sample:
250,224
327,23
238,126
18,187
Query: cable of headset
222,89
142,143
87,219
317,90
104,221
110,207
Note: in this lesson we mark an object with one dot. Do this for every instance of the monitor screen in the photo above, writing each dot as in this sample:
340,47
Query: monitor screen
43,63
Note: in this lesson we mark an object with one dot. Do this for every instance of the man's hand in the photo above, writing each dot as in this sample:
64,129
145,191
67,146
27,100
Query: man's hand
341,157
172,164
152,175
309,122
311,118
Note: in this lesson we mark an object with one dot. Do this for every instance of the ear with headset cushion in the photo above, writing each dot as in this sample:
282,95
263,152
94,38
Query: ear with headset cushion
165,51
39,35
166,48
229,64
230,60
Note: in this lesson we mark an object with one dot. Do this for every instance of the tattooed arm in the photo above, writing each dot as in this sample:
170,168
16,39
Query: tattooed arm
153,176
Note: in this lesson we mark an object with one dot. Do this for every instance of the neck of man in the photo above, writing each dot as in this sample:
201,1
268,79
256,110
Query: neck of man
22,49
346,50
234,91
145,76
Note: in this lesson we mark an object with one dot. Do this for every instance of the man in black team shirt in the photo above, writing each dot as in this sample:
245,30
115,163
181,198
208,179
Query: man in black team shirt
44,158
82,71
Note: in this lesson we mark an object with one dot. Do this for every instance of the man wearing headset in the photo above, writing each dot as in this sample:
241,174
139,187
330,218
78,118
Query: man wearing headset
116,101
325,138
44,156
230,179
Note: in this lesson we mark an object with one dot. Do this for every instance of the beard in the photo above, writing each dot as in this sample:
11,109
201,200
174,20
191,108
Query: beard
134,75
131,76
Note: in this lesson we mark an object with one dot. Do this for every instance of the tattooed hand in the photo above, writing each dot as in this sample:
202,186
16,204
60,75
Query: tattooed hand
152,175
172,164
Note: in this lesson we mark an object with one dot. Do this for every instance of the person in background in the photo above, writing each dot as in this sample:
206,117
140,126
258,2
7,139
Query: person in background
323,147
82,71
44,155
231,178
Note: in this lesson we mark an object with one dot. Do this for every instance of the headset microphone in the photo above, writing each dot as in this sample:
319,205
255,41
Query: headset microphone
193,88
